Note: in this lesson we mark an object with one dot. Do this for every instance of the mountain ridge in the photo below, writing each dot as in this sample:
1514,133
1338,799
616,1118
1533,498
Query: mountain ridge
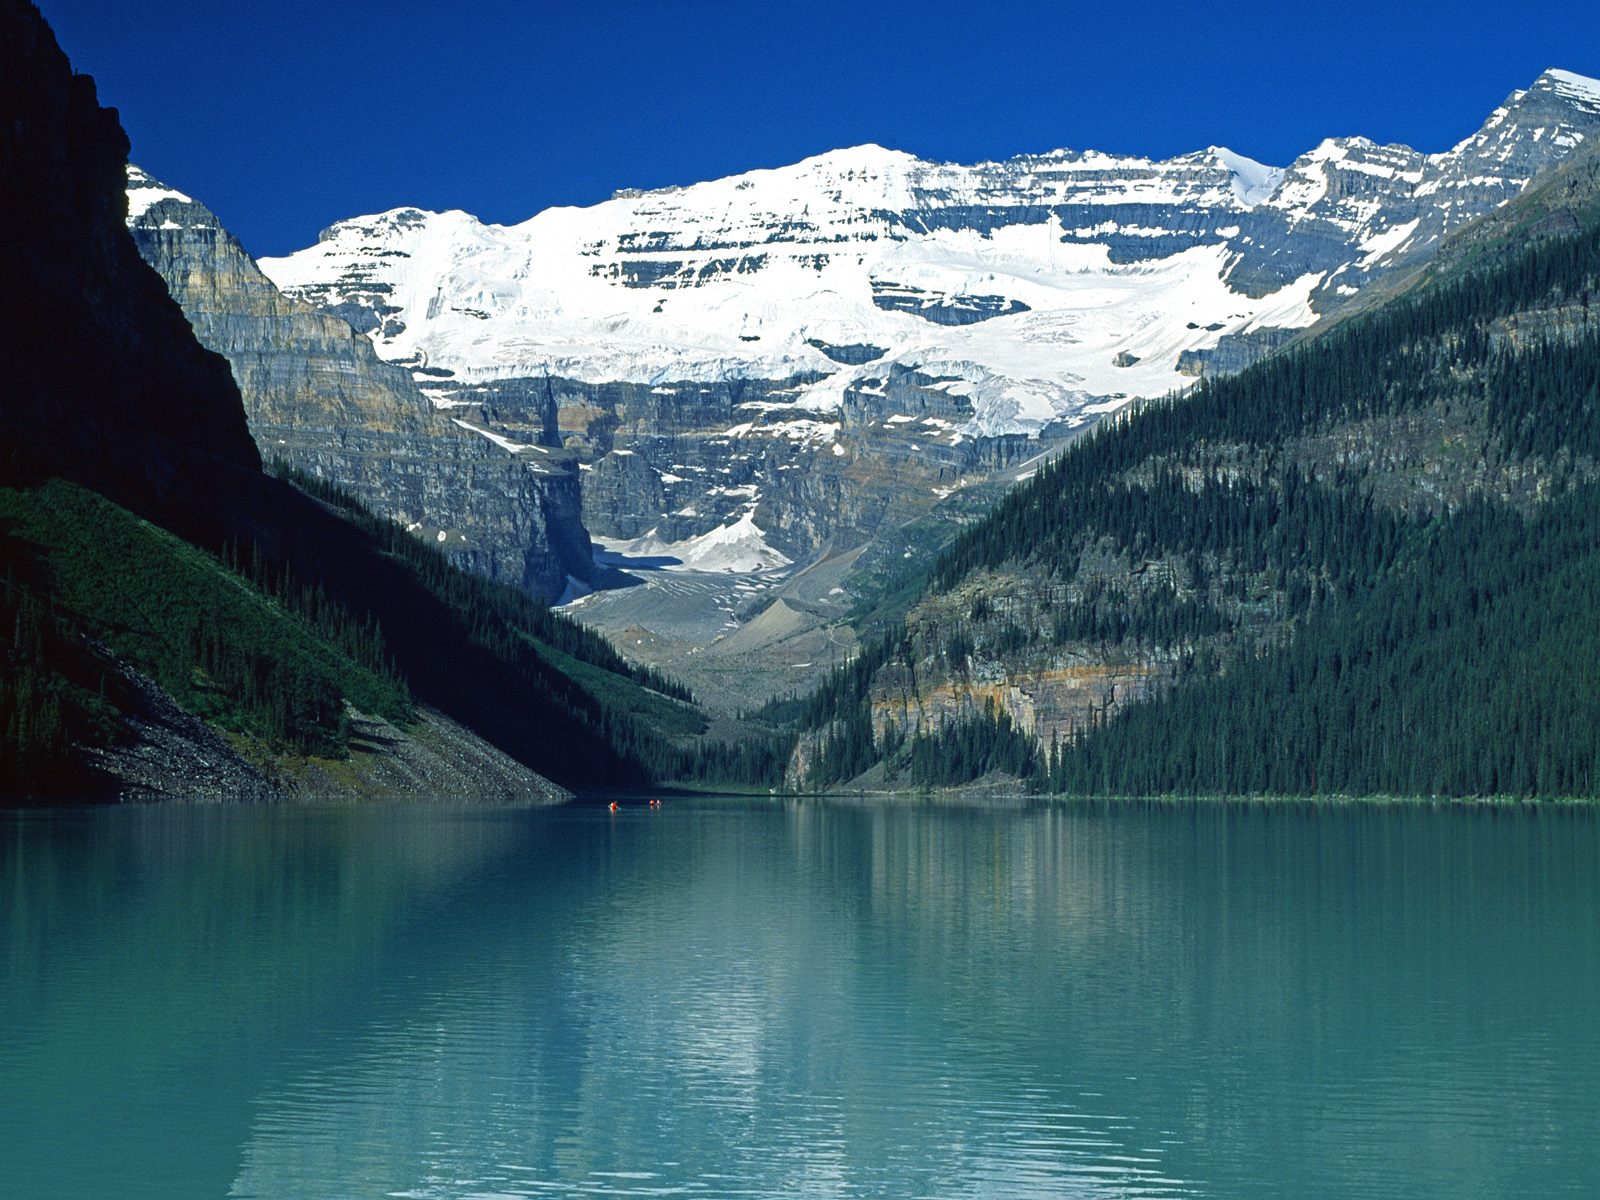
844,354
318,398
1023,297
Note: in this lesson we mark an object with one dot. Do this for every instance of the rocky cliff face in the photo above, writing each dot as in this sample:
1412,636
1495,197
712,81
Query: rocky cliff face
104,381
319,398
820,350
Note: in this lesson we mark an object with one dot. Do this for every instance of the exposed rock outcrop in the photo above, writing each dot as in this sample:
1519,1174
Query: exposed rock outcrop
1234,352
319,399
831,347
682,458
167,754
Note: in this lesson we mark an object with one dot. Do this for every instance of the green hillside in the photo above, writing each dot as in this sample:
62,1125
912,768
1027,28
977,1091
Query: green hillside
240,641
259,655
572,688
1366,565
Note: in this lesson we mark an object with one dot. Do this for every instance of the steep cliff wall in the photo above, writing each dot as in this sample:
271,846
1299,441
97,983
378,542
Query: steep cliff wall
106,385
681,459
103,379
319,398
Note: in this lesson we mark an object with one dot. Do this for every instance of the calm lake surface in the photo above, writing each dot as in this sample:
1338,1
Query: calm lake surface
801,998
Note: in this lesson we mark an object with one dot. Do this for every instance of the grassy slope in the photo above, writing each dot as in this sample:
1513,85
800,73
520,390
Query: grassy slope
228,652
254,664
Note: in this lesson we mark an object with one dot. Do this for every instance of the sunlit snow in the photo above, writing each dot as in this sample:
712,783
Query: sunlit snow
739,548
752,275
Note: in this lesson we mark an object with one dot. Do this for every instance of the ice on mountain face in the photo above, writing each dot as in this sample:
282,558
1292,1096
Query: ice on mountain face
1031,278
486,303
1252,182
503,442
669,285
1579,86
1376,245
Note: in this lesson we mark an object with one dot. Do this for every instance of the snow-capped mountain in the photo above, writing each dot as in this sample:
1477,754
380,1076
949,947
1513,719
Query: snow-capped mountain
1038,271
866,295
1034,272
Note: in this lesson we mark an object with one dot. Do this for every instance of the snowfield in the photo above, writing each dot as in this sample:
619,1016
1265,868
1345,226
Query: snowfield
1089,273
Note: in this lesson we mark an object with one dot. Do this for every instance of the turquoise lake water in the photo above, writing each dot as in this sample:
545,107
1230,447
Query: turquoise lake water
801,998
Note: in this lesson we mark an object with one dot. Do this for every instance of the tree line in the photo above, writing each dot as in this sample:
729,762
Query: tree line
1418,652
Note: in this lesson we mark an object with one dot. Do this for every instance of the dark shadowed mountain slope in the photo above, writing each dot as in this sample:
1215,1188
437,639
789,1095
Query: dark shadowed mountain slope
314,606
103,378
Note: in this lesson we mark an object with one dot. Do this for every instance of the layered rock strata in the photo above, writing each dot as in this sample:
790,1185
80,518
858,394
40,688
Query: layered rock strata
319,399
820,349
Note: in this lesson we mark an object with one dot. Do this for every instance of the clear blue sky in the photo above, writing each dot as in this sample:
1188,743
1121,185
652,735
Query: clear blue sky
284,117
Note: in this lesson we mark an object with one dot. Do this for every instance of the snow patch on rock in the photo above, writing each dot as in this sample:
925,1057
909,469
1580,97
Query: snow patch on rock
739,548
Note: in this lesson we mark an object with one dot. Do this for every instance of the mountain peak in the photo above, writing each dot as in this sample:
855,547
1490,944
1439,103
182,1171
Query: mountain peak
1253,181
393,221
867,156
145,190
1575,86
864,152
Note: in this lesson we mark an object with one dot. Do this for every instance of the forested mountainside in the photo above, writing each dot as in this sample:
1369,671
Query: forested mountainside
163,596
1369,564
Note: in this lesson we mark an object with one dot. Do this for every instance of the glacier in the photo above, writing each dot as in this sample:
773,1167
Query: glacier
1053,282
